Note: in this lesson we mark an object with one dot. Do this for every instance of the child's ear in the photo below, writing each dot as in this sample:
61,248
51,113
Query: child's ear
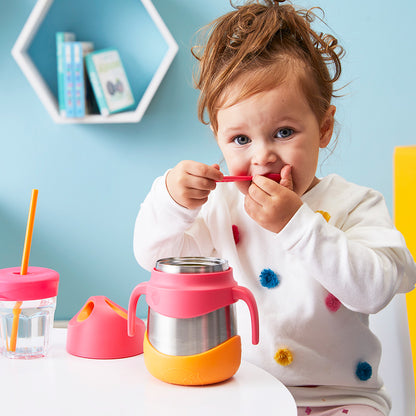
327,127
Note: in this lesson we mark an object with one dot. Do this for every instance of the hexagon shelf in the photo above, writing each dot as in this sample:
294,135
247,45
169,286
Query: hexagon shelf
34,51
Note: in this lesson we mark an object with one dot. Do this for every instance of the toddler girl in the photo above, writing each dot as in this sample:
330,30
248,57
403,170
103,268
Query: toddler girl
319,255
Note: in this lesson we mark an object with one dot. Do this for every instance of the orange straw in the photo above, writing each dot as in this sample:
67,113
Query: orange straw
15,326
29,232
23,268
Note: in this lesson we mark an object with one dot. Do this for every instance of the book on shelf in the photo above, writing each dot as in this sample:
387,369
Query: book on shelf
109,81
82,100
62,37
75,94
68,80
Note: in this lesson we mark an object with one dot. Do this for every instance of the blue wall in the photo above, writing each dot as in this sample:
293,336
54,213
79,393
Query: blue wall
92,178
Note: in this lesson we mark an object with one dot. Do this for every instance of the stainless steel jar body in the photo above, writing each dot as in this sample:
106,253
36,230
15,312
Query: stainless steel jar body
176,336
179,336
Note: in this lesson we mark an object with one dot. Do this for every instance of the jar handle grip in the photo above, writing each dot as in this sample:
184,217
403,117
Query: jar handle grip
240,292
139,290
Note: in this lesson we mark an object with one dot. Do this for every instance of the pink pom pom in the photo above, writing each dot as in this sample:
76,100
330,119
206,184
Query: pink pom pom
236,234
332,303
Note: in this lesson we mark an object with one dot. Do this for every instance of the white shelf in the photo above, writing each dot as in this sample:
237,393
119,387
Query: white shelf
48,99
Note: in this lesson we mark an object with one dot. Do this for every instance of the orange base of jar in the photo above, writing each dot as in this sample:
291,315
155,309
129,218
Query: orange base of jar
212,366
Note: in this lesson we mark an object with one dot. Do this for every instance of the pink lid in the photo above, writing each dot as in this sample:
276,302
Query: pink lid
38,283
187,295
99,330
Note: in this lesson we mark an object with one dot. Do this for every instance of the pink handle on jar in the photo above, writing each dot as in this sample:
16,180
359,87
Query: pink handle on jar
139,290
240,292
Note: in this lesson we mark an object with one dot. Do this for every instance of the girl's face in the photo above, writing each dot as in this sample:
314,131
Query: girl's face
271,129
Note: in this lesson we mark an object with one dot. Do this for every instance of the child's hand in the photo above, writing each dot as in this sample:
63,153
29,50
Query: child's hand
271,204
189,183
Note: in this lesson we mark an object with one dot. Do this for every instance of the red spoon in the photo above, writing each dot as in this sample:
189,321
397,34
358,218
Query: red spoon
275,176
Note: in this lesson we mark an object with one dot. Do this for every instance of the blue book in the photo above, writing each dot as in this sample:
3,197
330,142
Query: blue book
109,81
79,50
61,37
78,80
68,80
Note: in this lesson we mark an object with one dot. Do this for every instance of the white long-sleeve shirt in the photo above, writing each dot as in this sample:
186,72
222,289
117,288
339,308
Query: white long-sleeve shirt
339,259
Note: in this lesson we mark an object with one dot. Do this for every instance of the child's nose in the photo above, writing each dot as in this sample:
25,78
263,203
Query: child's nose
264,154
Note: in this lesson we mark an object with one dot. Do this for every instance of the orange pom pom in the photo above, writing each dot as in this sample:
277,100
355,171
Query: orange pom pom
325,215
284,356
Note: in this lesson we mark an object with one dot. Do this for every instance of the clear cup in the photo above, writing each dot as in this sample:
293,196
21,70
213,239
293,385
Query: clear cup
27,309
34,325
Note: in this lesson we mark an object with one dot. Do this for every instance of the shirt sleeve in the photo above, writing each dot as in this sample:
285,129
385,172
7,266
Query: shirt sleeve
364,264
164,228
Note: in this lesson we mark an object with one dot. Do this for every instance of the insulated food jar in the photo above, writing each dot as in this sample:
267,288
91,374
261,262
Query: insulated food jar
191,336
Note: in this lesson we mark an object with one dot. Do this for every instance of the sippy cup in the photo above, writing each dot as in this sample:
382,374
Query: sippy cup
191,336
27,307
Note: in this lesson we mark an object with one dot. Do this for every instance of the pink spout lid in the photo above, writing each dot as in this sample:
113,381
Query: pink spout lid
38,283
99,331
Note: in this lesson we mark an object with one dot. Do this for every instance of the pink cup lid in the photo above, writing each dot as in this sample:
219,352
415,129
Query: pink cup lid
99,330
38,283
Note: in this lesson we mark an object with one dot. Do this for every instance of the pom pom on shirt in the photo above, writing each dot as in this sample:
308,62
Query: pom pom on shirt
326,216
283,356
269,279
332,303
364,371
236,234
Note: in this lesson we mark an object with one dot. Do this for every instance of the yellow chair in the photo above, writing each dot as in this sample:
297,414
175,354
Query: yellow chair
405,219
395,325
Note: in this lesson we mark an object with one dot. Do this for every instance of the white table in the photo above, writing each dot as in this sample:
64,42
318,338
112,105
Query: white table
62,384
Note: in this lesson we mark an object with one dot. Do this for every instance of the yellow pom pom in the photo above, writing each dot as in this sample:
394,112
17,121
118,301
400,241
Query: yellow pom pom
325,215
283,356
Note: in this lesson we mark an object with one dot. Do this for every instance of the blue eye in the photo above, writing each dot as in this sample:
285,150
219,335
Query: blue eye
241,140
284,133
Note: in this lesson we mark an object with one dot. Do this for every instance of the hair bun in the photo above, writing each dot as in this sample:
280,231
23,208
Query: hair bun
271,3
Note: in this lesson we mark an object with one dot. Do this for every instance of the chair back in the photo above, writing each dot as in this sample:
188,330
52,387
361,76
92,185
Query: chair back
396,324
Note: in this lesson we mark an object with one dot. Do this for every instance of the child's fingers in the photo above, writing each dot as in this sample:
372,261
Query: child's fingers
286,177
267,185
257,193
196,203
204,171
189,183
200,183
195,193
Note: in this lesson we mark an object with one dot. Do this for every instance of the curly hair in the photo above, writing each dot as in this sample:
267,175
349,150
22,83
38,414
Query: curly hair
266,40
